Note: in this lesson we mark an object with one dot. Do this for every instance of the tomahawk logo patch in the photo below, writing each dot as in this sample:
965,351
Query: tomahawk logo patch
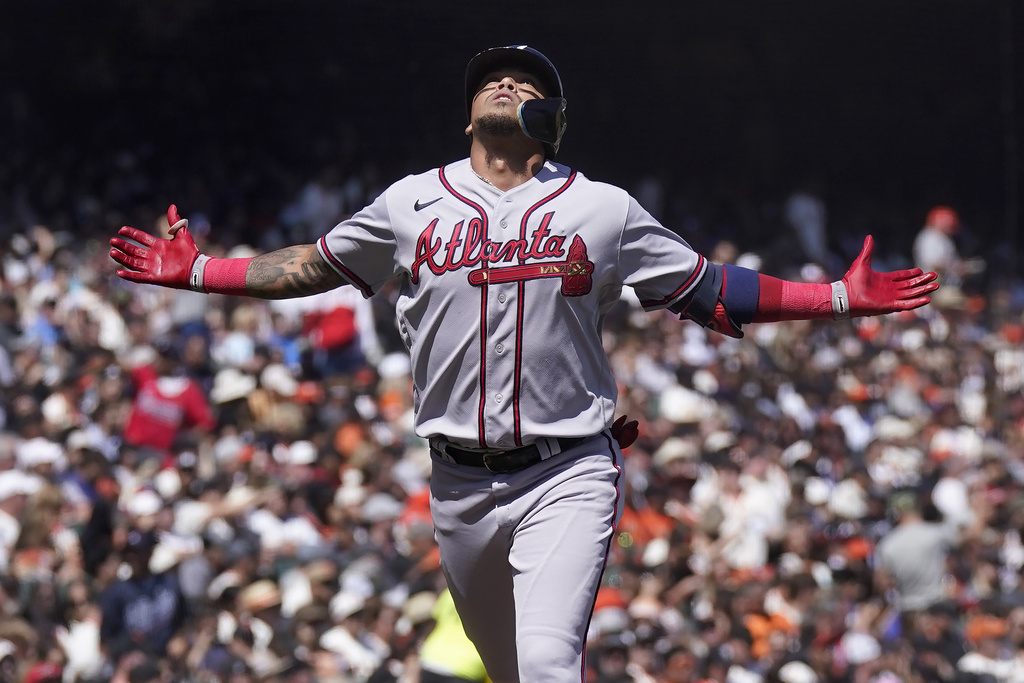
575,271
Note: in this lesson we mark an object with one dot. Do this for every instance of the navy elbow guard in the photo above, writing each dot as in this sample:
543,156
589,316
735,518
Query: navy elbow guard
723,301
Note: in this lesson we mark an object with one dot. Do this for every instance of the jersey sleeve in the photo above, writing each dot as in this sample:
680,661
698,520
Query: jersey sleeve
363,248
657,263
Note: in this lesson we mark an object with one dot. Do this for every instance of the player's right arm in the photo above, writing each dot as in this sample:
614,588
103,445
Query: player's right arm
290,272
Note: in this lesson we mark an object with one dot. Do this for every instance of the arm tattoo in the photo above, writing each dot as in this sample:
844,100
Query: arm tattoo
290,272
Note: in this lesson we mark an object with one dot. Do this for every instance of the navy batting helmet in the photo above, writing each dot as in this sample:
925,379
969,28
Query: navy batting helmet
543,119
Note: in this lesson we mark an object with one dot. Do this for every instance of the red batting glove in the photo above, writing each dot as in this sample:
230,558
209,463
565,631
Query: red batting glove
625,432
874,293
157,261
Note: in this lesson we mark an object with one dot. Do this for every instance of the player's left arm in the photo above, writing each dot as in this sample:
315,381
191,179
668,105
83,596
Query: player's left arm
727,297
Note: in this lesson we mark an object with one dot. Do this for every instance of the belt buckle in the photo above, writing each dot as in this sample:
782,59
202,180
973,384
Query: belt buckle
487,458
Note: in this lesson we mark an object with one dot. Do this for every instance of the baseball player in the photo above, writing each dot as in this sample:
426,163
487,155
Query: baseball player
508,262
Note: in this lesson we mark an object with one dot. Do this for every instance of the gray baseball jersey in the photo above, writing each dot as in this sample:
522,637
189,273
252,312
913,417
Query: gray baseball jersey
504,293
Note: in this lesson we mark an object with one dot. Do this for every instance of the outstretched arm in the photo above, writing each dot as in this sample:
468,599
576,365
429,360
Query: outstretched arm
730,296
290,272
176,262
862,292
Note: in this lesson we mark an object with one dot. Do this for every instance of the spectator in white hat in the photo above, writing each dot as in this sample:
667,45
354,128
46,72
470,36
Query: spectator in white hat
15,488
359,654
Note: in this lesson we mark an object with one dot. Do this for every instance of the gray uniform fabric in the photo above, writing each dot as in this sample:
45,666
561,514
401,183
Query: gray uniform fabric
503,296
513,358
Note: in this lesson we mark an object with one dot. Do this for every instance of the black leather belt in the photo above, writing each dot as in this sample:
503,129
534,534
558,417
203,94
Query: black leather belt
500,461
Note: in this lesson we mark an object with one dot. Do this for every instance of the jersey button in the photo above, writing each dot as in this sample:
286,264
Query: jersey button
503,223
499,348
502,298
498,398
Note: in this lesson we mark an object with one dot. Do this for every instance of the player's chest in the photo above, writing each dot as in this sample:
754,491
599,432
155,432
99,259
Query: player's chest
505,238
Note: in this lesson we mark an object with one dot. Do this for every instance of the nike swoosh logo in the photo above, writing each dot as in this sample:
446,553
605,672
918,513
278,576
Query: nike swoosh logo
420,206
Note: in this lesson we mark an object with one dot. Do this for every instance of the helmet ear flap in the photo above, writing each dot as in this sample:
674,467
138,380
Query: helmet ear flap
544,120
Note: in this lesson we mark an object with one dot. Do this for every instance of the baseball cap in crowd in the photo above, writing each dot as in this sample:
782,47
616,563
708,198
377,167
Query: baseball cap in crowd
858,647
259,595
655,553
675,448
945,608
140,541
684,406
39,451
718,441
229,448
942,217
381,507
144,503
394,366
346,604
606,621
298,453
187,460
166,347
418,609
80,439
312,614
645,607
231,384
146,672
619,641
797,672
903,501
984,626
17,483
279,379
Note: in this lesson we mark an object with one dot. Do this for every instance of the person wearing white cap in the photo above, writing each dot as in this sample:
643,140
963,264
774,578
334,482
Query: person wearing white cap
40,455
796,672
15,487
359,652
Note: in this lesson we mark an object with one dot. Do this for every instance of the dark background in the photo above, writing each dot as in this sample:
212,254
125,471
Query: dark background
886,108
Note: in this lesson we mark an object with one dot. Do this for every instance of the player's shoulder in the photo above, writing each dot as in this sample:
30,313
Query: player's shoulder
554,171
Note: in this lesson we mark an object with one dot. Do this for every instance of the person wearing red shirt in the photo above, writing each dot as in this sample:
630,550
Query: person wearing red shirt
166,404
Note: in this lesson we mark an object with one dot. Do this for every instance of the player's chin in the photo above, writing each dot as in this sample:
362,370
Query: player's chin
498,124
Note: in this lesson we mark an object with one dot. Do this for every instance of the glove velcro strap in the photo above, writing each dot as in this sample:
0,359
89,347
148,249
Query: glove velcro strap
195,279
840,301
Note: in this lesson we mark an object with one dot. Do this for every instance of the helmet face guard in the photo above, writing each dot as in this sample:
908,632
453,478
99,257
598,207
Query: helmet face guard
542,119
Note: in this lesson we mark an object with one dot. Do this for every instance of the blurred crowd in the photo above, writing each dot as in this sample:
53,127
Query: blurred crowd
205,488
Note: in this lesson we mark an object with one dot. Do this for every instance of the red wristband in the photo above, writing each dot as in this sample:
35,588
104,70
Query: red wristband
783,300
225,275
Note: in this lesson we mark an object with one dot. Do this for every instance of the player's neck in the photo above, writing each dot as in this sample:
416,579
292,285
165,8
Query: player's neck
505,166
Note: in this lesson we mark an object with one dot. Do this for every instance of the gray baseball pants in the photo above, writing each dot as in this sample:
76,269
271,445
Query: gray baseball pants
523,553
